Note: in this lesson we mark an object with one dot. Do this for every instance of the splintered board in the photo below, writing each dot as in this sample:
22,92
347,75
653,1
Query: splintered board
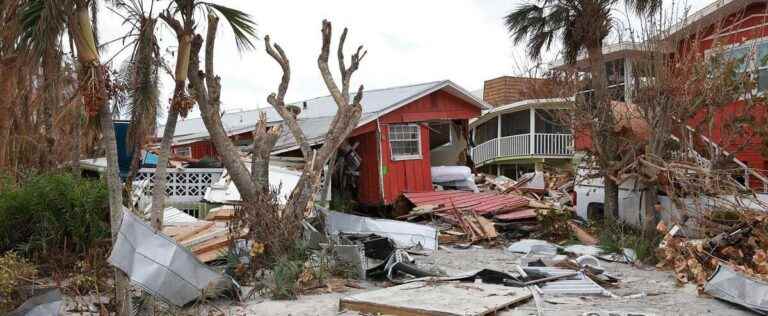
430,299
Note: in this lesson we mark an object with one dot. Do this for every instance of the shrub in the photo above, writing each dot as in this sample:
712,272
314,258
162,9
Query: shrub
47,212
14,273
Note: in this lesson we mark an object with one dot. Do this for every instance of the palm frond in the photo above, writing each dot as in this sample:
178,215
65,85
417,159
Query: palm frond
41,24
241,23
143,86
644,7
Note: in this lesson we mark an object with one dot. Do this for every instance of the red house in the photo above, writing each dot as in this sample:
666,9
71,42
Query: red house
740,27
402,133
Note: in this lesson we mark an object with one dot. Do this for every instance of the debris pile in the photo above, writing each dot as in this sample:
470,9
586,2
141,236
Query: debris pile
207,239
739,243
538,203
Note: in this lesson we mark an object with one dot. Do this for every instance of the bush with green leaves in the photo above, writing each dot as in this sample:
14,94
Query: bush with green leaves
52,213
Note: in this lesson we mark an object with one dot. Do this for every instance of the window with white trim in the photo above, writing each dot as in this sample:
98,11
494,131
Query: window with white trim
184,151
405,141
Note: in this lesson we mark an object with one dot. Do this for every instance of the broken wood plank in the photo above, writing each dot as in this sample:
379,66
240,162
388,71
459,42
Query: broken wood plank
582,235
222,213
521,214
182,233
431,299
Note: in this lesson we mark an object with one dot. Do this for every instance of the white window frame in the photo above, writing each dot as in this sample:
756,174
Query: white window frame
404,157
186,149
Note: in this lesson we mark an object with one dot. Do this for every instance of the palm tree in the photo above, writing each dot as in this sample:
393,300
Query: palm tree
41,24
580,25
141,81
244,30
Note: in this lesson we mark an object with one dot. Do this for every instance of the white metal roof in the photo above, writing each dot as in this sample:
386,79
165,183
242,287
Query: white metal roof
318,112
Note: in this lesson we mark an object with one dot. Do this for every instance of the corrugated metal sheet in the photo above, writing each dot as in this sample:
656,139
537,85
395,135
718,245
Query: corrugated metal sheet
576,285
481,203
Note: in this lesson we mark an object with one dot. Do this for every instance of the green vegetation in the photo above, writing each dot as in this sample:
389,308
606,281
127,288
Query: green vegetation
15,271
614,236
52,212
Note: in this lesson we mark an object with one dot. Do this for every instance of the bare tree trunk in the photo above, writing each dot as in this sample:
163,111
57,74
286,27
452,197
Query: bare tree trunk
603,138
51,72
208,94
161,171
115,202
6,91
76,141
92,72
264,140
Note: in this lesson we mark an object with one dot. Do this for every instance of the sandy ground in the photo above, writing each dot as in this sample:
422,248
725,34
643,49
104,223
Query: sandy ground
661,296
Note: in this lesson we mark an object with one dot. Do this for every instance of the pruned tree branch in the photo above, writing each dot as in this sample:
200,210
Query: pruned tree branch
264,139
341,97
207,90
277,100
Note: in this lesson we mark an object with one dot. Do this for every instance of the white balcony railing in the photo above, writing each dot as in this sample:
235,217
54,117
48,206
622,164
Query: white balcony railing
549,145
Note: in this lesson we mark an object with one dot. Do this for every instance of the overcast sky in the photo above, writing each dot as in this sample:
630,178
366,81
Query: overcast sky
408,42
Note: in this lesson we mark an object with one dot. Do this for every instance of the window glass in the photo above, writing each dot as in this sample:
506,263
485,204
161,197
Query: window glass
762,79
739,54
405,141
547,122
762,55
185,151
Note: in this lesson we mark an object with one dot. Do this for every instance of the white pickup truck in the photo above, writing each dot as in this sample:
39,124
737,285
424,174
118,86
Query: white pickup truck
590,194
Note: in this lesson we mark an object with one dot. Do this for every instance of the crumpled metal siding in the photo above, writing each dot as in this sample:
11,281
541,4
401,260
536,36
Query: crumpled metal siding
729,285
404,234
158,264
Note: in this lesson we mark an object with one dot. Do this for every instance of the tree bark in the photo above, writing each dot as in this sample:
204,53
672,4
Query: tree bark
264,140
51,72
115,202
6,92
207,94
76,141
161,171
603,124
90,65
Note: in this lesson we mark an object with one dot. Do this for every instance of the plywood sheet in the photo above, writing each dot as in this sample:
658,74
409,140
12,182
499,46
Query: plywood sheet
442,298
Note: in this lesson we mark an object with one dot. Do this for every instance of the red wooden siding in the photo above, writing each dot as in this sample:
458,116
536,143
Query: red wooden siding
745,25
412,175
202,149
404,175
368,189
740,27
205,148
